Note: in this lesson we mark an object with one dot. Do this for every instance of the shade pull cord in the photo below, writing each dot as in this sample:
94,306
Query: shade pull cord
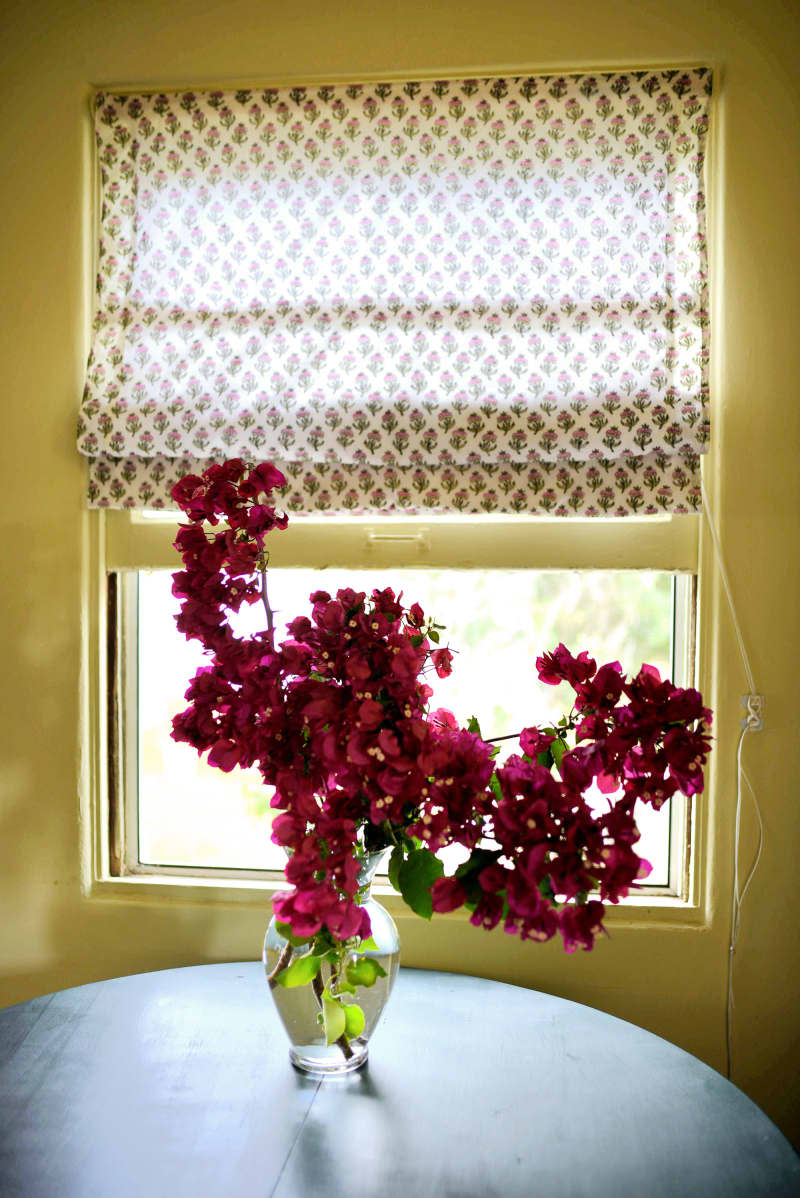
724,575
737,896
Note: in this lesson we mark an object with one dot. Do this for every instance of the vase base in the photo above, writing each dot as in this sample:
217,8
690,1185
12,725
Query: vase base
328,1060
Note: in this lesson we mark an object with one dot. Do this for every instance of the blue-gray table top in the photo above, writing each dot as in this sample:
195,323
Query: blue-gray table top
178,1083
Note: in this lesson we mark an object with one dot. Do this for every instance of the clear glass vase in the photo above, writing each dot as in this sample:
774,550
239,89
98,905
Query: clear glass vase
300,1007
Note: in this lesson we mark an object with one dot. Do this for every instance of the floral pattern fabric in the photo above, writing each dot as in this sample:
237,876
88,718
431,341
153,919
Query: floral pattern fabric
473,295
645,486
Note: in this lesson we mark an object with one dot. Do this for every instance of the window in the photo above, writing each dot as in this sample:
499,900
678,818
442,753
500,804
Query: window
453,309
176,816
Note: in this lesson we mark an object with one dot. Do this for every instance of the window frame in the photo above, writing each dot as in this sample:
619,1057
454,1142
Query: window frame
129,541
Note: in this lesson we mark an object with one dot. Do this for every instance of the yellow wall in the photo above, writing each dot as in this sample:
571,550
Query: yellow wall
668,978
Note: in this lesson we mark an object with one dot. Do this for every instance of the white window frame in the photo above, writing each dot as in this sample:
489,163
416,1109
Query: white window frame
125,542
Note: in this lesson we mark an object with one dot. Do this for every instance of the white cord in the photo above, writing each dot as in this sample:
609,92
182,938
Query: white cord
737,896
724,575
760,839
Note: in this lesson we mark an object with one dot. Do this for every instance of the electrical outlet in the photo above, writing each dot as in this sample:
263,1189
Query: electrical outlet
754,706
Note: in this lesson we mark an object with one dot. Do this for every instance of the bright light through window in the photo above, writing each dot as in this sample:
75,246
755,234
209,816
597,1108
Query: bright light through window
192,815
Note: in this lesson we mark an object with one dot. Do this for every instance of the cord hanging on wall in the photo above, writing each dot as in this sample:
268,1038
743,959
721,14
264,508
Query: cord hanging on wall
752,721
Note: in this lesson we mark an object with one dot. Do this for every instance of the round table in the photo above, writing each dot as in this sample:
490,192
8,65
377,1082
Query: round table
178,1083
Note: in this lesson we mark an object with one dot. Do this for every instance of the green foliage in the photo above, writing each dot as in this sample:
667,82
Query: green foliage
300,972
395,862
468,871
415,877
285,930
334,1020
353,1020
478,860
364,972
558,749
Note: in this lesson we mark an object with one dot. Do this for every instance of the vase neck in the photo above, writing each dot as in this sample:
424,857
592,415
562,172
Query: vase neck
370,864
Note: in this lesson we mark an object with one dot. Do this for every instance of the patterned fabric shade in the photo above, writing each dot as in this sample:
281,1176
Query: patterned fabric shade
480,295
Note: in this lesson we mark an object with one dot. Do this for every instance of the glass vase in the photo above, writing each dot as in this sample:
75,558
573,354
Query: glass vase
300,1007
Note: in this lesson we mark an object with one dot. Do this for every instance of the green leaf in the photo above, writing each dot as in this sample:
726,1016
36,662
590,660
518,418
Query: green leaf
558,749
395,862
353,1020
285,930
368,945
546,889
416,876
474,726
333,1019
433,636
467,873
301,971
497,791
478,860
417,640
323,943
364,972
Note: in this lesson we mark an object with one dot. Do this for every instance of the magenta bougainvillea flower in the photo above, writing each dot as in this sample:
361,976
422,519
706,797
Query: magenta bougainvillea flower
337,720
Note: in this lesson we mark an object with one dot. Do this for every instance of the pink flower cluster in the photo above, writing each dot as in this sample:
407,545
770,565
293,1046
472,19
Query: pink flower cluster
337,720
335,717
551,843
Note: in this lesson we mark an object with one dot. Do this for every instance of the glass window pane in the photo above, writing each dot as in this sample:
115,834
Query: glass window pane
497,621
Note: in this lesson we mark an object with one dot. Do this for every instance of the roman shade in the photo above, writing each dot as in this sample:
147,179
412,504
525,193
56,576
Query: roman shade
476,295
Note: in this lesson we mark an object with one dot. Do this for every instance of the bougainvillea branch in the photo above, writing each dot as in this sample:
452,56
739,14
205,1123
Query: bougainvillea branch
337,719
